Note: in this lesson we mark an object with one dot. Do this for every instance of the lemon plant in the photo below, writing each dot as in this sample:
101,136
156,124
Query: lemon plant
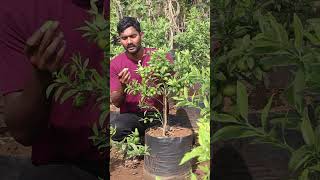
161,79
200,100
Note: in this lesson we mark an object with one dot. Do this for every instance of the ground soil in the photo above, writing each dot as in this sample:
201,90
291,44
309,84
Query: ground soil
9,147
172,132
126,170
119,169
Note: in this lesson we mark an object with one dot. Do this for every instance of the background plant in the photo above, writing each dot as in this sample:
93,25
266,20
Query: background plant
271,38
200,100
130,147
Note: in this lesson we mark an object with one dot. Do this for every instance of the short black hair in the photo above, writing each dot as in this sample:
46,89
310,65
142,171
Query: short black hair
126,22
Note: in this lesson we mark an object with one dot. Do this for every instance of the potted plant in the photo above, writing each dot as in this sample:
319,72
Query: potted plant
163,79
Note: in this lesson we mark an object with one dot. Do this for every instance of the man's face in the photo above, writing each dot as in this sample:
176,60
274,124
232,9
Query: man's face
130,39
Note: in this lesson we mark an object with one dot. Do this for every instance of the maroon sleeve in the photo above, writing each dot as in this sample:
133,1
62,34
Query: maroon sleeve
114,80
14,65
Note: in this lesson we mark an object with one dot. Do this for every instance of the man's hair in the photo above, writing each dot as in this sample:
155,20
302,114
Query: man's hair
126,22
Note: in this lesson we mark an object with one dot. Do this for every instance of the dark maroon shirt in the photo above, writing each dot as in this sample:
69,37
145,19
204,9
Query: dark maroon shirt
69,127
131,102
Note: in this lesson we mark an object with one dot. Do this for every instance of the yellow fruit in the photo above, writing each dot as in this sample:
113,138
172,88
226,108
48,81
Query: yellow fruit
242,66
229,90
265,67
102,43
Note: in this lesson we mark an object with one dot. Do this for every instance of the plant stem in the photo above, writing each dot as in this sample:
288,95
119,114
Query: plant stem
165,118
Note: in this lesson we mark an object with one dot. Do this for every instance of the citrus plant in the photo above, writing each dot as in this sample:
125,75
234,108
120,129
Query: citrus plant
161,78
200,100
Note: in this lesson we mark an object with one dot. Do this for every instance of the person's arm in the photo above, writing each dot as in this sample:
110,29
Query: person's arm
26,112
118,96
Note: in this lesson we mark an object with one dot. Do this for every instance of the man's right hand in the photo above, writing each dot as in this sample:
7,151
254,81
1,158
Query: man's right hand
27,111
46,47
124,76
118,97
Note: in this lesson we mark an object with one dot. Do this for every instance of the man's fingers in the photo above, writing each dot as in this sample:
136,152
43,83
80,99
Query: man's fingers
126,77
61,52
36,37
58,58
48,36
33,41
127,80
124,70
52,48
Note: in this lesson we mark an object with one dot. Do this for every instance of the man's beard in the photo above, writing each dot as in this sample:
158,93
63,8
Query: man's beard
134,51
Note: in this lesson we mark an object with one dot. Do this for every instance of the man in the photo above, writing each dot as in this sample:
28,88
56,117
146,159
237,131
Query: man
30,51
122,72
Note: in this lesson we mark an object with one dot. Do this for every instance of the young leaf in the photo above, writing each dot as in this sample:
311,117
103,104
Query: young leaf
224,118
265,112
67,95
315,167
298,158
58,92
298,31
95,129
189,155
307,130
50,88
193,176
233,132
304,175
242,100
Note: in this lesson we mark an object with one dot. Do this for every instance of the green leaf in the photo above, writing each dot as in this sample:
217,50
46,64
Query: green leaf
185,92
298,31
220,76
304,175
242,100
312,39
298,158
265,112
103,117
250,62
50,88
315,167
258,73
58,92
233,132
307,130
95,129
193,176
225,118
294,93
189,155
67,95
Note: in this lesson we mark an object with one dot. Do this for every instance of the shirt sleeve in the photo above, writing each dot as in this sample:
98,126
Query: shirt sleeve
114,80
15,68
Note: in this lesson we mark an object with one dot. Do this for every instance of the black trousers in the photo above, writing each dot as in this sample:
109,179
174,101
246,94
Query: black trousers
126,123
